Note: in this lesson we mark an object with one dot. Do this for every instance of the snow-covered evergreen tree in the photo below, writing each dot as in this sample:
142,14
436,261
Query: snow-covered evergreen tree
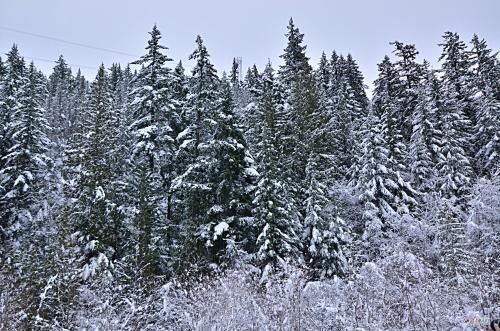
386,105
454,170
59,107
302,128
279,228
23,178
409,75
325,233
343,128
213,184
296,63
486,102
355,78
426,137
153,151
91,207
384,193
16,163
323,74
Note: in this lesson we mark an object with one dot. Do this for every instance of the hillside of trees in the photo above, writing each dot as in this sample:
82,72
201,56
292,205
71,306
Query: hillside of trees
151,198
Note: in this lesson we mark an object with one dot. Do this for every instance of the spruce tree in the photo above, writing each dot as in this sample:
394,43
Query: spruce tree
355,78
384,193
59,107
454,170
153,151
25,231
386,104
212,186
296,62
235,176
92,194
425,140
14,183
335,70
343,127
486,103
409,75
279,228
301,107
323,74
324,232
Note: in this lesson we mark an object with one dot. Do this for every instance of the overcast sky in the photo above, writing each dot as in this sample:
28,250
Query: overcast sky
252,29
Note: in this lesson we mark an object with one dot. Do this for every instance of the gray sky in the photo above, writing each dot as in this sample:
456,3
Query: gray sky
251,29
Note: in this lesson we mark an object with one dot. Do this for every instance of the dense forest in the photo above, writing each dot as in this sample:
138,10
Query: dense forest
152,198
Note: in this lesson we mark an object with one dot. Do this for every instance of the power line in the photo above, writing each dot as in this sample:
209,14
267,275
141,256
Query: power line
66,41
72,65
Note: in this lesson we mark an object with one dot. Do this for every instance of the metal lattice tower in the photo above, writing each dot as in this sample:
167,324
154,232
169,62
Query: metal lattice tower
239,61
